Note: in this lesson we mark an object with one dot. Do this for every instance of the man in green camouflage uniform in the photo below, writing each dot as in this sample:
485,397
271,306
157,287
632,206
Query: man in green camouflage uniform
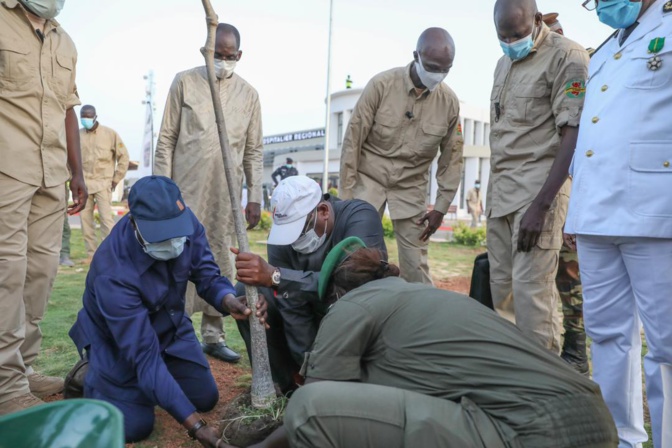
568,282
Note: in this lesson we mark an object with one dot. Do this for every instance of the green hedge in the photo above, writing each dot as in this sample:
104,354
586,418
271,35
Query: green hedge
388,228
465,235
265,222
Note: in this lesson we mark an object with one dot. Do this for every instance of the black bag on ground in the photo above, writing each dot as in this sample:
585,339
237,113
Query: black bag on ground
480,281
73,386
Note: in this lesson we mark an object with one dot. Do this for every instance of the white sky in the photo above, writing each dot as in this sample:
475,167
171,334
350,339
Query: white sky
284,44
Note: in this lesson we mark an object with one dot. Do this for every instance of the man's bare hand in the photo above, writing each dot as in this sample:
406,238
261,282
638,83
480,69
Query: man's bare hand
252,214
207,436
434,220
252,270
531,227
262,309
570,241
79,195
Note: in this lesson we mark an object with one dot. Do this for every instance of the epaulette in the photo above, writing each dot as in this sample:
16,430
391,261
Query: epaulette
591,52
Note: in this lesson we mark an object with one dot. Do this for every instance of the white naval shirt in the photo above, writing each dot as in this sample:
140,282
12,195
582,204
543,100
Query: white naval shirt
622,166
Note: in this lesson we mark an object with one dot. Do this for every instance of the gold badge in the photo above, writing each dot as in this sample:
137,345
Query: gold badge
667,7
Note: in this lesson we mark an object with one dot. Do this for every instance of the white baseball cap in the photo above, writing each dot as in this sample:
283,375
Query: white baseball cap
292,201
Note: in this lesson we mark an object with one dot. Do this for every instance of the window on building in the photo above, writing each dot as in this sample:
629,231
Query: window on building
339,132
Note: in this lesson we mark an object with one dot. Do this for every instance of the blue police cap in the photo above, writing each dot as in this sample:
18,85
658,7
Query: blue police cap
158,209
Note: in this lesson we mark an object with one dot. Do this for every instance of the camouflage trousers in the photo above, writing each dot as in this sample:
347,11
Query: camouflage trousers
568,282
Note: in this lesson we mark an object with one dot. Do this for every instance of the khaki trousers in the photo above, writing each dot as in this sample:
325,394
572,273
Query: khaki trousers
412,252
475,218
212,328
342,414
30,242
103,199
523,283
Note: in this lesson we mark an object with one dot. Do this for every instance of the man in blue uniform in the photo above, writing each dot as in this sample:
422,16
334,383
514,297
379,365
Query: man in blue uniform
285,171
621,213
141,346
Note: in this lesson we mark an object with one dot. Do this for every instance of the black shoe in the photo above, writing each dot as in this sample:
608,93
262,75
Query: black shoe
578,364
220,351
574,352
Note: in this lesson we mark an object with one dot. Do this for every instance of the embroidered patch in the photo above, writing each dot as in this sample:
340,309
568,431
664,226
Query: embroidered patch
575,89
459,128
667,7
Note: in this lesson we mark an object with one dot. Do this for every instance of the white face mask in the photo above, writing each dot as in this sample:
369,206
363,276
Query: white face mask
224,68
47,9
429,79
165,250
310,242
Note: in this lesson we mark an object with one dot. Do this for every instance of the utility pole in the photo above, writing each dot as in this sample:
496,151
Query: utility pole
325,175
148,144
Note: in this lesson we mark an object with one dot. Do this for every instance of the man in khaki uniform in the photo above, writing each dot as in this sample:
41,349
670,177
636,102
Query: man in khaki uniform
38,141
105,162
188,151
568,280
537,100
404,117
475,204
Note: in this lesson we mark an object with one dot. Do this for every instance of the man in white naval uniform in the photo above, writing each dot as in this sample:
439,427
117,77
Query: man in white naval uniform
621,213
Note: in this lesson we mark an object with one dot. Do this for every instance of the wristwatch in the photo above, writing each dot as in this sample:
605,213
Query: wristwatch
275,278
198,425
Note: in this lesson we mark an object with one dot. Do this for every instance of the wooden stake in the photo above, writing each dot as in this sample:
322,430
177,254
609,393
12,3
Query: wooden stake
263,391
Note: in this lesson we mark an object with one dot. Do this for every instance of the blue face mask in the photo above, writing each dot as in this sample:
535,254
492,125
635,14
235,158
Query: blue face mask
87,123
618,13
165,250
519,49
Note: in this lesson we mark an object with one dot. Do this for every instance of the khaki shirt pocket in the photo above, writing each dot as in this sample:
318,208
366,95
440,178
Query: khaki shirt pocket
15,67
384,131
429,138
62,68
526,102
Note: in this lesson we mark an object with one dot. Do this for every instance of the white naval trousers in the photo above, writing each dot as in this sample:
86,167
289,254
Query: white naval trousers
627,281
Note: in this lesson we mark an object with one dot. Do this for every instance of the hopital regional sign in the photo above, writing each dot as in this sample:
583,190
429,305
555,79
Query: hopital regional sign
294,136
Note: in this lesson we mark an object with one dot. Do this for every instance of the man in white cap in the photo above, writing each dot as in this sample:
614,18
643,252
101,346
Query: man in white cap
306,226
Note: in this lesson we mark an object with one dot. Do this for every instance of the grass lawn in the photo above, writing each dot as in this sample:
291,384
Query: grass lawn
59,354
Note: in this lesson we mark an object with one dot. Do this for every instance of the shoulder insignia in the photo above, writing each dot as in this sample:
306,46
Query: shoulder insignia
667,7
459,128
575,88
